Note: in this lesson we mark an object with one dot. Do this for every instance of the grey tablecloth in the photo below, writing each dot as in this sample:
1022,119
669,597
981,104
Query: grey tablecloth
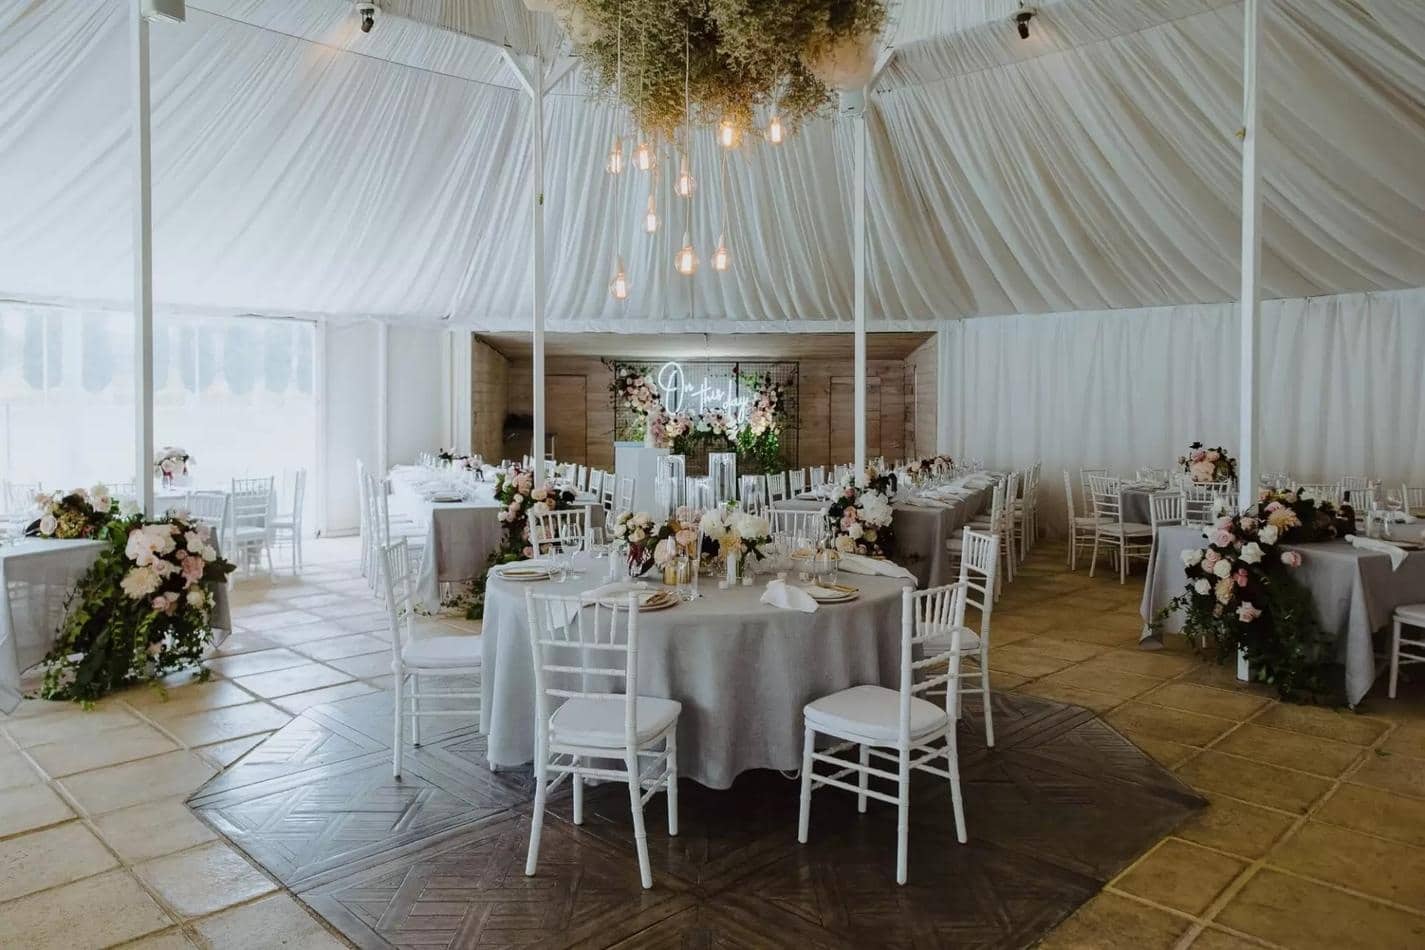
1135,505
1355,594
742,670
921,533
37,576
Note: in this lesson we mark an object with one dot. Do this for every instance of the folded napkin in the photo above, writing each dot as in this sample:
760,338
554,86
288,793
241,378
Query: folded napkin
1397,555
617,591
529,565
860,564
924,501
781,594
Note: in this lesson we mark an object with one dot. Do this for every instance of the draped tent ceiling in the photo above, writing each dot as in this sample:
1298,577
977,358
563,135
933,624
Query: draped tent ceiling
304,168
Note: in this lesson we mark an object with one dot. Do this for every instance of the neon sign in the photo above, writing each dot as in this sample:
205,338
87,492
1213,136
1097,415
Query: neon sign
680,394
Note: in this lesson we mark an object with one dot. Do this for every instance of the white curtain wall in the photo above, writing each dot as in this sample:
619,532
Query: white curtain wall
1343,388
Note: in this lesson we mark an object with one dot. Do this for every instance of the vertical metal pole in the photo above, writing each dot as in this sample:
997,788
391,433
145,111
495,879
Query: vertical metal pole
537,188
143,264
383,398
1250,368
859,270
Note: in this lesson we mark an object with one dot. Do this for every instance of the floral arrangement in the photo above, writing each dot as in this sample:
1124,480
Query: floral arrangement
519,498
1242,596
449,457
740,55
934,466
729,531
677,537
634,533
637,390
170,461
75,514
141,611
861,514
1208,465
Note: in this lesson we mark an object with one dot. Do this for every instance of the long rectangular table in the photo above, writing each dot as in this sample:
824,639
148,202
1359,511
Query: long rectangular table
1355,593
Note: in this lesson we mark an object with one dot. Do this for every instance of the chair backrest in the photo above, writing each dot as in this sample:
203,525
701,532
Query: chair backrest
997,506
363,486
1069,497
252,502
625,494
1355,483
1107,494
1331,493
606,493
1153,475
925,616
979,569
584,649
751,493
777,487
797,481
1361,500
565,532
699,493
817,474
299,492
1413,498
122,490
395,567
793,525
1084,490
1166,507
212,508
378,510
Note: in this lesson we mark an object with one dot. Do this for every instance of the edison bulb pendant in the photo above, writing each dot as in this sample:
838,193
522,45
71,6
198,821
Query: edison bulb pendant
650,217
721,259
614,164
686,260
774,130
643,157
727,134
684,185
618,287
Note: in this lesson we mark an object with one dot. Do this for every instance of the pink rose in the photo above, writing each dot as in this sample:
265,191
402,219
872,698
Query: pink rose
1291,559
192,570
1240,577
1210,558
1224,538
1274,506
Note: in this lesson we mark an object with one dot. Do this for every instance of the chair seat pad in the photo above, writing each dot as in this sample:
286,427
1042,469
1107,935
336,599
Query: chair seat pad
599,722
1088,521
941,638
871,712
1411,613
432,652
1127,529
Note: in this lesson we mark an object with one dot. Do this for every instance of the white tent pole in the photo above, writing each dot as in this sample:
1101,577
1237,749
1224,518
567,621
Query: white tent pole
537,122
859,271
1249,424
143,264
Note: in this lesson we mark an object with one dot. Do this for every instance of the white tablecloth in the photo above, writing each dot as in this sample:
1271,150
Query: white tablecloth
38,575
742,670
1355,593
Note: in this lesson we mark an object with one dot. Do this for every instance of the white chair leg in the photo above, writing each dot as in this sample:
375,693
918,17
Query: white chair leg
985,700
640,834
672,747
416,709
398,731
1123,562
1093,561
804,818
952,762
903,816
536,820
578,791
1394,656
864,778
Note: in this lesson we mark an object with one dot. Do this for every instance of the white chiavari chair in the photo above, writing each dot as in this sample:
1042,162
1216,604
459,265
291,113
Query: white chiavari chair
1409,615
1363,501
368,546
560,532
432,657
1128,539
996,522
794,526
752,492
979,573
797,481
252,520
581,478
625,494
214,509
776,488
1322,492
699,492
893,725
1200,503
1413,500
583,651
122,489
817,476
1023,511
1081,527
1164,508
287,526
607,492
1354,483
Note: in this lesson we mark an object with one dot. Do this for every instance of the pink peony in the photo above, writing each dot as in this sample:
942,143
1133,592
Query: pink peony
192,570
1240,577
1224,539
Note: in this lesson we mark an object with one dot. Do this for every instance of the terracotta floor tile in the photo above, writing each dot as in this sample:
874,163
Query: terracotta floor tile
1407,739
1063,649
1299,913
1022,662
15,770
1160,665
151,830
352,644
1253,781
182,700
1167,754
376,664
1206,700
124,744
119,786
1360,862
1291,749
1325,722
297,702
1401,774
274,922
1376,812
41,859
1064,693
230,722
203,880
1114,682
173,939
67,722
1136,720
224,754
27,807
101,911
1215,939
296,679
1180,875
1230,825
279,620
1111,922
245,664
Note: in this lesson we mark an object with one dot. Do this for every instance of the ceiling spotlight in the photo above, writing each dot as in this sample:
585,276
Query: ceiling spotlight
367,11
1021,19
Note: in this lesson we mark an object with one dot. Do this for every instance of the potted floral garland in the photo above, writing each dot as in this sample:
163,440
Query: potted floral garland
1208,465
1241,594
142,610
861,515
519,498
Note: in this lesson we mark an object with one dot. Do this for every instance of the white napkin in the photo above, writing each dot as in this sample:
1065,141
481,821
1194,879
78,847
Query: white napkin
781,594
860,564
924,501
1397,555
533,564
617,591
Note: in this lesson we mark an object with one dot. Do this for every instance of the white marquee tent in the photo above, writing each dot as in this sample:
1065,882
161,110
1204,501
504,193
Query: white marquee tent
1080,190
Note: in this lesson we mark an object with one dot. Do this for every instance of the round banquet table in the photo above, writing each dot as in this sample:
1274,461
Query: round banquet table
743,670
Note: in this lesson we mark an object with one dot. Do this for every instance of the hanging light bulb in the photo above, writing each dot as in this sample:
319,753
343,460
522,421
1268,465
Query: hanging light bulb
721,259
614,165
650,217
685,184
687,261
728,135
643,157
618,287
774,130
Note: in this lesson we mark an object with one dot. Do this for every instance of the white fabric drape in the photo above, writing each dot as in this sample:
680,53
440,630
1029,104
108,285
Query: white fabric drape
1343,390
303,168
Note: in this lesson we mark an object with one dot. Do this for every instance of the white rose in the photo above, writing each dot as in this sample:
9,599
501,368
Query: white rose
712,525
1192,556
1222,568
1268,534
1251,552
539,508
1202,586
48,524
196,597
855,531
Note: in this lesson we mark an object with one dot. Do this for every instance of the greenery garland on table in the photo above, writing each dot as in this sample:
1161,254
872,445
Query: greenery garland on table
861,514
140,612
1241,594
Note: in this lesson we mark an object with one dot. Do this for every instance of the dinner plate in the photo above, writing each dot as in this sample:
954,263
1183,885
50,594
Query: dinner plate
655,599
828,595
524,571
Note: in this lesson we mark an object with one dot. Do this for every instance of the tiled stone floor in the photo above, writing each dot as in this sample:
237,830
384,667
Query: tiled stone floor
1314,836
